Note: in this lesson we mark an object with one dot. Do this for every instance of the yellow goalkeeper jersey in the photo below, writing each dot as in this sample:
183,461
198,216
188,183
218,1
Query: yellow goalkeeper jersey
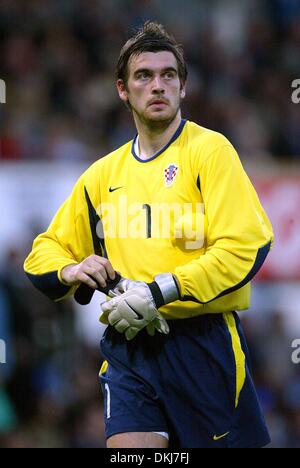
190,210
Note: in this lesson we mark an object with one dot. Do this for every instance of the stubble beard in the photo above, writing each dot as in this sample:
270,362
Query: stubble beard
155,124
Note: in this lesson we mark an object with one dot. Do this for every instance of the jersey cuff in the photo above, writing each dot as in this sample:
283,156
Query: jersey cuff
49,285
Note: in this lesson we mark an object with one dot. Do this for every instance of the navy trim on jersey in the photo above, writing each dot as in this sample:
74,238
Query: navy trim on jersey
198,184
49,285
260,258
174,137
99,244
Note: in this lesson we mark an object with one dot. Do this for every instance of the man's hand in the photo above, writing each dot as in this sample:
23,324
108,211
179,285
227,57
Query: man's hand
135,305
94,271
132,311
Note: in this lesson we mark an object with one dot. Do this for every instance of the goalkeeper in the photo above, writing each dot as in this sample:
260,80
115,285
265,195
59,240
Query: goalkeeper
170,227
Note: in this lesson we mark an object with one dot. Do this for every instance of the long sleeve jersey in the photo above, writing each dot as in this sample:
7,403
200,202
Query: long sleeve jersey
190,210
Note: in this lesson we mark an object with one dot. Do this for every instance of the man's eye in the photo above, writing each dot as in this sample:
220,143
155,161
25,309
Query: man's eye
143,75
169,75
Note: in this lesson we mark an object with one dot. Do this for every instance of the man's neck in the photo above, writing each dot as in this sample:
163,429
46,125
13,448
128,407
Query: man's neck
152,140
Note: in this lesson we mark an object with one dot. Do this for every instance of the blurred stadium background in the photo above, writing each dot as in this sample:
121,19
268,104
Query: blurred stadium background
62,113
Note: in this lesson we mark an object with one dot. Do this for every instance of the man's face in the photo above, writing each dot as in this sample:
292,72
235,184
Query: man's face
153,88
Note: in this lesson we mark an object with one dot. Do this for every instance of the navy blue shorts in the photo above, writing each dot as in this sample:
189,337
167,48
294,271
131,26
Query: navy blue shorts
195,384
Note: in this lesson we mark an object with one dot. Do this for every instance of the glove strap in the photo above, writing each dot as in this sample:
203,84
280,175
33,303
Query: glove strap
84,293
164,289
156,293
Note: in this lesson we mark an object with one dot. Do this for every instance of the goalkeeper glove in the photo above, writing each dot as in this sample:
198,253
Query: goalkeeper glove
137,307
124,285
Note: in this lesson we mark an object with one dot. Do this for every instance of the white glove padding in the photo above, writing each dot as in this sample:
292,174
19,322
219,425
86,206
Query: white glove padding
132,311
124,285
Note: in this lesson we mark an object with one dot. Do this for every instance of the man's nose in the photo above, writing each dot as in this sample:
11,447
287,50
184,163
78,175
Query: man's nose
157,85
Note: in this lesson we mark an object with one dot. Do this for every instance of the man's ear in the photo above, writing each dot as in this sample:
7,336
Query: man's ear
122,90
182,90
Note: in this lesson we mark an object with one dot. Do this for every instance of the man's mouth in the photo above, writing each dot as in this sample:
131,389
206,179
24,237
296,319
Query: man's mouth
157,102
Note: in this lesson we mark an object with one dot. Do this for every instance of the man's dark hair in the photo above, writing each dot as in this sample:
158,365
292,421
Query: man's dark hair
151,37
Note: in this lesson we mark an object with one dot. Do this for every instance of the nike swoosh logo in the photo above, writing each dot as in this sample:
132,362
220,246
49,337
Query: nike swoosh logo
140,316
221,436
114,189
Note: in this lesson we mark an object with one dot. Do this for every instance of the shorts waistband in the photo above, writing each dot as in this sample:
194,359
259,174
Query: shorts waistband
199,319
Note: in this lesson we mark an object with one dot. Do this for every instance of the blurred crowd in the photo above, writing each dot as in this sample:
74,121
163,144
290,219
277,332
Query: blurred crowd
58,59
49,390
276,376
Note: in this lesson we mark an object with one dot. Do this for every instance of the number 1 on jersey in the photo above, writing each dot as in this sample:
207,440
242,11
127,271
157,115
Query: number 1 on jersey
148,215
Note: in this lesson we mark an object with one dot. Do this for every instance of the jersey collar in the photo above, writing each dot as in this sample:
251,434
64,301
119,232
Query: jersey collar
174,137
